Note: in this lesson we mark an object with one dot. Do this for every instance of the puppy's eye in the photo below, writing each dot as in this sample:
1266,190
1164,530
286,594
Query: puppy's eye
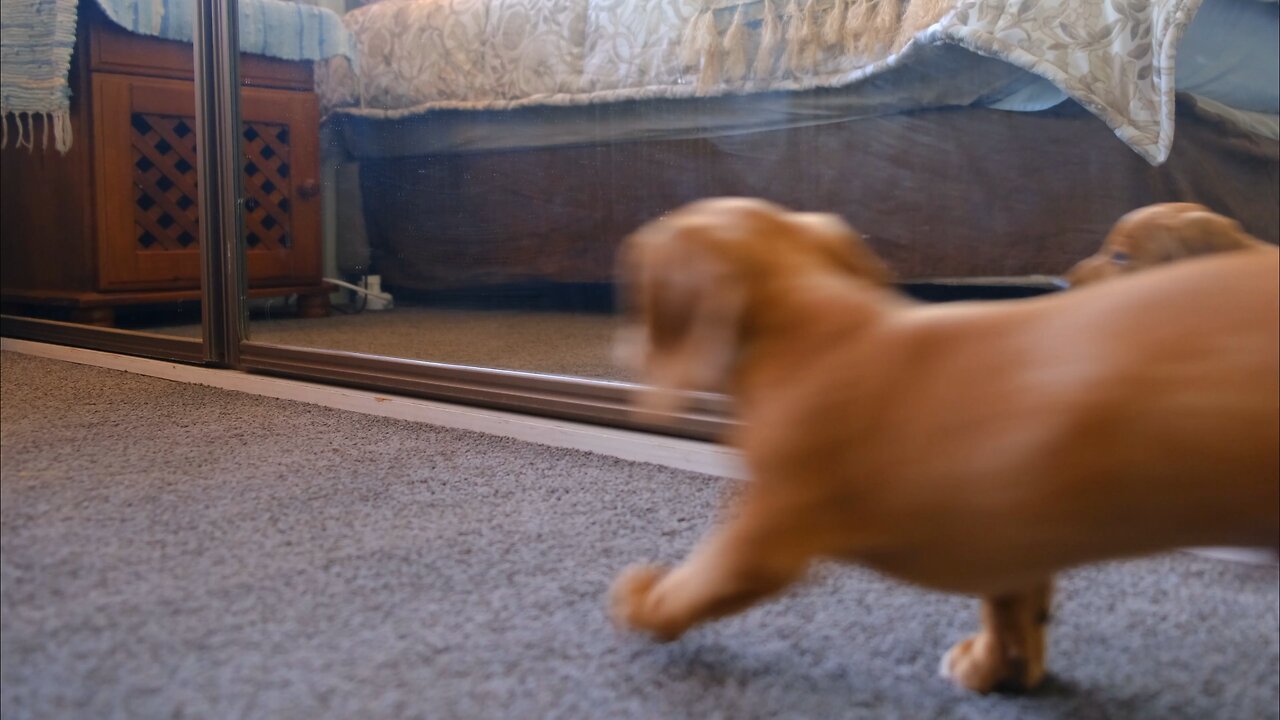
1120,257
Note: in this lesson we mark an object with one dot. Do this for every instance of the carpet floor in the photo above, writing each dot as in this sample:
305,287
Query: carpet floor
559,343
172,550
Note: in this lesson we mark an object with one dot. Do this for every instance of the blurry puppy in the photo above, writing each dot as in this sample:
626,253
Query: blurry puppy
971,447
1158,234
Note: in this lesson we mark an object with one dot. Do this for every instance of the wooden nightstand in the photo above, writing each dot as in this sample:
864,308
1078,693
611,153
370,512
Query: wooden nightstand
115,221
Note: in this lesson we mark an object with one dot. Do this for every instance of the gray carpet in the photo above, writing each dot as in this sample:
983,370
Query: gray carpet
560,343
177,551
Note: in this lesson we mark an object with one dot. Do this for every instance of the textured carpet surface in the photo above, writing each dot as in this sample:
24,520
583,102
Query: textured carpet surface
176,551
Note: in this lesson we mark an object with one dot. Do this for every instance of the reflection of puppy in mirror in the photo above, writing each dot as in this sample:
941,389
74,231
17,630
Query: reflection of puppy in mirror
1158,234
970,447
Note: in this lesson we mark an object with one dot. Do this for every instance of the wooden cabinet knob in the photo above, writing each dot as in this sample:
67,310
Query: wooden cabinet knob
308,189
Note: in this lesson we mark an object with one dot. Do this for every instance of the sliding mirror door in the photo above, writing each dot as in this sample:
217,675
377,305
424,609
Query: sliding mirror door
445,186
100,206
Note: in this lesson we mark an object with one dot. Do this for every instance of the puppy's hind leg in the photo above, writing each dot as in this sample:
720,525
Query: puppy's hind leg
748,559
1008,654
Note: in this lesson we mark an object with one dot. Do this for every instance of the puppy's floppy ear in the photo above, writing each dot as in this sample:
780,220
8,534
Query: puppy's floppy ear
1203,232
844,246
692,305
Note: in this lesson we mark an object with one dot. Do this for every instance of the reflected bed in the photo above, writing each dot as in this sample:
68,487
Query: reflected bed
954,158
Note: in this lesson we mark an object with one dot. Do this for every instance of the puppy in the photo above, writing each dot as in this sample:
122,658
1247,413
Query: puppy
1158,234
976,448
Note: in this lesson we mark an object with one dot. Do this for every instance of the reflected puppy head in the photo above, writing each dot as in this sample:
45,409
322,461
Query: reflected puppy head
1158,234
689,282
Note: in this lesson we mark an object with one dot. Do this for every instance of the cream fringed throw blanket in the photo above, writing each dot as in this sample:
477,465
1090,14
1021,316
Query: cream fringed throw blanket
731,41
37,38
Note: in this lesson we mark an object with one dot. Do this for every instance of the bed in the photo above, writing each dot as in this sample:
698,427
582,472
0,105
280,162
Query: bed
502,142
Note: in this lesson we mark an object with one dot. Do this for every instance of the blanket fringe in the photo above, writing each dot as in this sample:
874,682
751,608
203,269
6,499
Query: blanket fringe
884,27
27,125
833,28
790,40
62,137
770,39
735,49
861,17
810,38
690,48
791,53
712,55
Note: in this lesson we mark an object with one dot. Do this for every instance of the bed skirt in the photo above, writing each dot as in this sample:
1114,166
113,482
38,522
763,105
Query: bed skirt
952,193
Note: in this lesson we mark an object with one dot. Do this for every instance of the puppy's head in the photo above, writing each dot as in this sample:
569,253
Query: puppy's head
690,280
1158,234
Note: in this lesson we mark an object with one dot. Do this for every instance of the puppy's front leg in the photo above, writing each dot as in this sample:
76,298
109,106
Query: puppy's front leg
736,566
1008,654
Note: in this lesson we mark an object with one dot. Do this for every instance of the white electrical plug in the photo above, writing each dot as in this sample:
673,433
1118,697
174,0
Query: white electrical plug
376,299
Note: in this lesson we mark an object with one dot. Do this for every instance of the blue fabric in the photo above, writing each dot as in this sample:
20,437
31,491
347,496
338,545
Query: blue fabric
1231,54
36,40
287,30
1033,94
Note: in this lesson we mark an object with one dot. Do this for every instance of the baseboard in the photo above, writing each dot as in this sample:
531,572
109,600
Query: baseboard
630,445
1246,556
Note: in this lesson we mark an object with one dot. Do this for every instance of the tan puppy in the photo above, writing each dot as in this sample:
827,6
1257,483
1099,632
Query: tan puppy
970,447
1164,233
1158,234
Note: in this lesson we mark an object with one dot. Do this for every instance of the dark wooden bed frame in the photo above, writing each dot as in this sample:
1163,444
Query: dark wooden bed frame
969,195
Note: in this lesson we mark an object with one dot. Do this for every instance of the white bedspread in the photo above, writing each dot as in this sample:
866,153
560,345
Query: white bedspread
1115,57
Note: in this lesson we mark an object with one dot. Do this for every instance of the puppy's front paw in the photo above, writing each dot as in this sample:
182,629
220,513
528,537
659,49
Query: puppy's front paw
978,663
632,603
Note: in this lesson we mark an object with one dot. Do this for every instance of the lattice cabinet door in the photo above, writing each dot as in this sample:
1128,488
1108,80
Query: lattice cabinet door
148,205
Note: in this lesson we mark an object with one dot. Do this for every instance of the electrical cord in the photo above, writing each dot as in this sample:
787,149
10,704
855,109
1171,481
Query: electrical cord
364,296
